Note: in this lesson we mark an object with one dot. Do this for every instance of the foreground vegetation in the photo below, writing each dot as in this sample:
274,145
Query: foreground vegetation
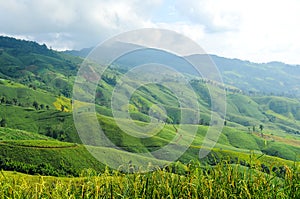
221,181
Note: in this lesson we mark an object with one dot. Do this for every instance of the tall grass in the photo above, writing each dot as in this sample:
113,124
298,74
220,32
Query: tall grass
221,181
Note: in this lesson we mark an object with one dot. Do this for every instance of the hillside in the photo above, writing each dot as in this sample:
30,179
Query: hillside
35,65
262,78
38,130
273,78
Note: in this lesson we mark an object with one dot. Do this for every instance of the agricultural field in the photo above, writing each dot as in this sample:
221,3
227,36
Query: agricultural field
224,180
42,154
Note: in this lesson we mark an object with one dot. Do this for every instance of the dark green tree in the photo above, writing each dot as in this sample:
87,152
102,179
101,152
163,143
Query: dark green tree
35,105
3,122
62,108
15,101
2,100
261,127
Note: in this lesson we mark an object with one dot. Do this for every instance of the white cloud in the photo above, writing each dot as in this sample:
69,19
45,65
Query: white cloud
215,15
193,31
71,24
256,30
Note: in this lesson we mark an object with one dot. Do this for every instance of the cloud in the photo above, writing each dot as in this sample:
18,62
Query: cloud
215,15
257,30
72,24
254,30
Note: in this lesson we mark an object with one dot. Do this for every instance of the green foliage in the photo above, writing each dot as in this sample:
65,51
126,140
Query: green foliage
225,180
3,122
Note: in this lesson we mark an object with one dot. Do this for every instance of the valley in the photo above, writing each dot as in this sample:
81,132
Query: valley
38,137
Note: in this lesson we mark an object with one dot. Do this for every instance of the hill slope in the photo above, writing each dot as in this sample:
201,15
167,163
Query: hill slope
35,91
267,78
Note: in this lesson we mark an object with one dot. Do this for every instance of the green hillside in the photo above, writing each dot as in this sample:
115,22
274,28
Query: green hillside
38,133
46,157
15,134
252,78
262,78
36,66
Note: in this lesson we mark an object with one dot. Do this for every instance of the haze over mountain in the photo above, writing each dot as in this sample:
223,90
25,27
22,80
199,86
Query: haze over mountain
274,78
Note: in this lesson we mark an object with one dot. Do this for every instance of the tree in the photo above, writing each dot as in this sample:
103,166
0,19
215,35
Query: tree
253,128
62,108
2,100
261,127
35,105
42,106
66,92
15,101
47,107
3,122
201,121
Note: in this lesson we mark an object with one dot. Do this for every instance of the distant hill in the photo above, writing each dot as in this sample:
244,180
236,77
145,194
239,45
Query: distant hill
275,78
268,78
81,53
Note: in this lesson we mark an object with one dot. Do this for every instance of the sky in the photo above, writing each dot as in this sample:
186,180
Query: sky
256,30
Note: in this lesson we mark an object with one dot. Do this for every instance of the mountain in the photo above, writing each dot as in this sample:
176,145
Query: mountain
35,65
274,78
81,53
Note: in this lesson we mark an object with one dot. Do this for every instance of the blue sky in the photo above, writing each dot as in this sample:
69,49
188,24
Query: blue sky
259,31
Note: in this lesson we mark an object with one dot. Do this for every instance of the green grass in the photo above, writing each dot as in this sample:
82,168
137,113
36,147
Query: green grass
58,158
25,96
53,123
240,139
39,143
14,134
243,106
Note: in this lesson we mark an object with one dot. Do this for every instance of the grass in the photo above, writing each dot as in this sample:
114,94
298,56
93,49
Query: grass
54,123
25,96
241,139
221,181
65,158
14,134
39,143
